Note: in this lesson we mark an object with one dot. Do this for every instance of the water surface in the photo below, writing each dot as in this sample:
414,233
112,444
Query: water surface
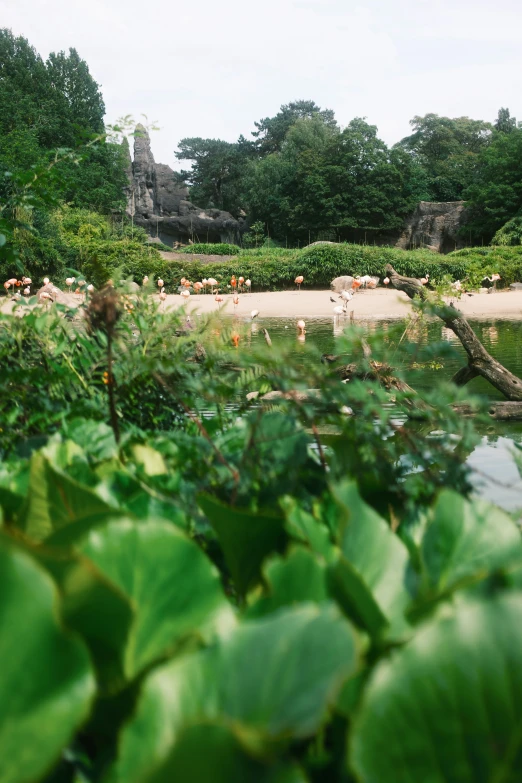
495,474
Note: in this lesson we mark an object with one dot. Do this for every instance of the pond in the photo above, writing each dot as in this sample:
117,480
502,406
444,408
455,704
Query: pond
495,474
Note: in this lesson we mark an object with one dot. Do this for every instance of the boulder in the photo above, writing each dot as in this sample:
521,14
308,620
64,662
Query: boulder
51,294
516,286
159,202
341,284
435,226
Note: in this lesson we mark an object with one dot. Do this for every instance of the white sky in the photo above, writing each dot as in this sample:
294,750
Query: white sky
211,67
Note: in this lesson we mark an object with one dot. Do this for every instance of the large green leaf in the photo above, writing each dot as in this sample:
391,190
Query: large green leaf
213,753
465,538
55,500
298,578
272,680
370,579
448,707
95,608
173,586
123,490
245,537
46,683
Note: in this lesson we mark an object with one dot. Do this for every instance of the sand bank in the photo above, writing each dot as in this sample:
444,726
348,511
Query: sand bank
366,305
376,304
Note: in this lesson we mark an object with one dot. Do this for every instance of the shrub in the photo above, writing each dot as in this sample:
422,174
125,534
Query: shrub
480,261
209,249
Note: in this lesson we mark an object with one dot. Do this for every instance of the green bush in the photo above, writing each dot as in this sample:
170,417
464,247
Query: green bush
510,234
276,268
209,249
480,261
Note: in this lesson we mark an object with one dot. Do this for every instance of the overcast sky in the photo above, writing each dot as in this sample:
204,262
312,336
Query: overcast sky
211,67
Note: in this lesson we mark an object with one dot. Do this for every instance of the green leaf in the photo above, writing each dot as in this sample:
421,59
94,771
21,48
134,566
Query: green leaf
370,579
245,537
46,684
298,578
96,436
223,761
465,538
150,460
305,528
55,500
174,588
95,608
127,492
273,679
448,706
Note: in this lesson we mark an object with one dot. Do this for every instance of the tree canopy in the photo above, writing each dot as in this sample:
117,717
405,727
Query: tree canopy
447,149
50,105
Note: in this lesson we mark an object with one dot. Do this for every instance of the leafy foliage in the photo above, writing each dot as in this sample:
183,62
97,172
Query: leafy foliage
448,151
203,556
495,195
218,249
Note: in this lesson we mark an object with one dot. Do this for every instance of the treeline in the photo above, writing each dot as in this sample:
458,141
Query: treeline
51,105
302,175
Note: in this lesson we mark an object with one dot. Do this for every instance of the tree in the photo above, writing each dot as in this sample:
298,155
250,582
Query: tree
271,131
505,123
329,182
56,104
495,196
217,170
77,92
448,151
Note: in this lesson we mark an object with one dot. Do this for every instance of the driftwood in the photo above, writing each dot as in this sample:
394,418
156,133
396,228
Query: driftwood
377,371
500,411
480,362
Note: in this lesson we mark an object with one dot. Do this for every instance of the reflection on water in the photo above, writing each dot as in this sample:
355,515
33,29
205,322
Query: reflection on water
496,477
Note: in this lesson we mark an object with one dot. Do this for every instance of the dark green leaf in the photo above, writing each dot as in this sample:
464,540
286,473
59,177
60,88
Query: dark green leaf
447,707
174,588
245,537
46,683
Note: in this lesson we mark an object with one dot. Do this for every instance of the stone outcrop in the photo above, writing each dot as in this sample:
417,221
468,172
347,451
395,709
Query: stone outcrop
159,203
434,225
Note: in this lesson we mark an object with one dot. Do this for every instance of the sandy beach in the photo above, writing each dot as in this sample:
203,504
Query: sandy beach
366,305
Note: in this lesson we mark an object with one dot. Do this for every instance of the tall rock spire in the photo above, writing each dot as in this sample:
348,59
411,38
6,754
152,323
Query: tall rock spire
158,201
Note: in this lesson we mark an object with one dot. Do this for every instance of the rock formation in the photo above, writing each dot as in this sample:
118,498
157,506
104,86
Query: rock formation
434,225
159,203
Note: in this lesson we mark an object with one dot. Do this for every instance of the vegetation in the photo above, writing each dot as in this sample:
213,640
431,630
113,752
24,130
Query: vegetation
221,249
181,555
275,269
55,105
198,585
303,177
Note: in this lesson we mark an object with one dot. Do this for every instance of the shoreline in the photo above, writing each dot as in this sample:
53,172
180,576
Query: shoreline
371,305
378,304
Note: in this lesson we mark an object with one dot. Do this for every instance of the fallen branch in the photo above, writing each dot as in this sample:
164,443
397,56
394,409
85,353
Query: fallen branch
480,362
500,411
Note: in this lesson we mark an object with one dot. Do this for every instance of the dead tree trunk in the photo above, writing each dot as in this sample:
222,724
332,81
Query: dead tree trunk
480,362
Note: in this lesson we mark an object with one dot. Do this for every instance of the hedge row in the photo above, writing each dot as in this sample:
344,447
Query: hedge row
208,249
276,270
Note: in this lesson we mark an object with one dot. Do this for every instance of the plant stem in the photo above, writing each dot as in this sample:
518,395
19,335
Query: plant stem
110,388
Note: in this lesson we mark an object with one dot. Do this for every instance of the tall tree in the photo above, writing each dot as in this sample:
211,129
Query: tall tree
329,182
505,123
496,194
55,104
76,90
271,131
217,170
448,151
